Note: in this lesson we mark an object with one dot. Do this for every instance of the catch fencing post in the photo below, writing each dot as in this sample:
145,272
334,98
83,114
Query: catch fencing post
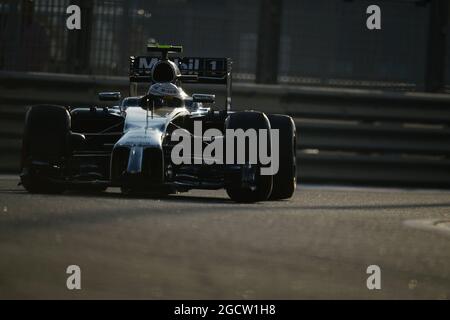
436,47
79,41
268,41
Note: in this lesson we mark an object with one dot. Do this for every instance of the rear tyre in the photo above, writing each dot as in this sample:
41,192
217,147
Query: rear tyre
131,192
236,189
44,148
89,189
143,192
285,180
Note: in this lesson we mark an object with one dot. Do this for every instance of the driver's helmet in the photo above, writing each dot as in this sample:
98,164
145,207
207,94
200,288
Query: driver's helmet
167,93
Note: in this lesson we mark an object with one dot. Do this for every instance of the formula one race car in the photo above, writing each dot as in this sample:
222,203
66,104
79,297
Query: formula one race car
163,141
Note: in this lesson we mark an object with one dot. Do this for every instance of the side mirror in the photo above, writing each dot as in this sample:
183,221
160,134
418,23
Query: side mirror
109,96
204,98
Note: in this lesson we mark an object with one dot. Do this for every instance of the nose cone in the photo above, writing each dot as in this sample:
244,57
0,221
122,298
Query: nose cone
145,168
135,160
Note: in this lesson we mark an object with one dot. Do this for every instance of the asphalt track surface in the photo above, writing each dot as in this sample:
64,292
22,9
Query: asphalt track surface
200,245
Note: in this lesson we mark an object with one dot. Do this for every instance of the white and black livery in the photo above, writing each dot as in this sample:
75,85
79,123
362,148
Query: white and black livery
130,146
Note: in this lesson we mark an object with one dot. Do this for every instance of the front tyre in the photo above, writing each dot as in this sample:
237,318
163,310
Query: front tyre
44,148
39,185
247,184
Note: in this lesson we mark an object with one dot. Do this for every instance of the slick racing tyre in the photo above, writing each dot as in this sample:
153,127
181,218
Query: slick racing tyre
88,189
44,145
285,180
161,192
261,186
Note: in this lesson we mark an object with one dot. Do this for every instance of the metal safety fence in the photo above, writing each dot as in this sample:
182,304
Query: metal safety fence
322,42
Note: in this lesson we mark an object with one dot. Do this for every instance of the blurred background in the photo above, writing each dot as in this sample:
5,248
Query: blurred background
321,42
371,106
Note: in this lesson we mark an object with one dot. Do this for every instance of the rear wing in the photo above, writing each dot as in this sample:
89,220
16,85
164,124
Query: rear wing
193,70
